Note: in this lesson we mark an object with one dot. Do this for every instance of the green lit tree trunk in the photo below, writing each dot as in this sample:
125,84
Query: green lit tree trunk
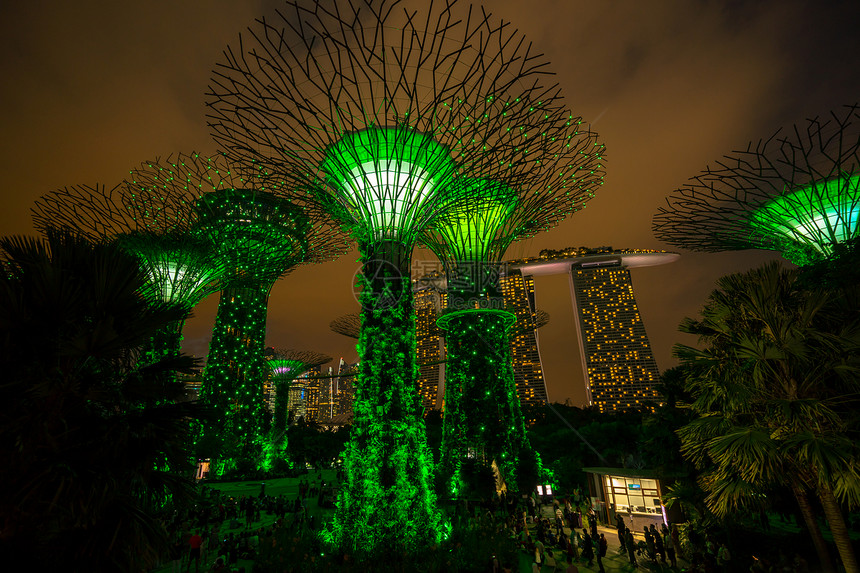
275,447
517,459
387,504
483,419
454,446
233,381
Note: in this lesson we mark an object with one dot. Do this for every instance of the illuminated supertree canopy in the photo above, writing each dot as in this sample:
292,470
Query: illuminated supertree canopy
377,109
285,366
180,266
797,192
259,237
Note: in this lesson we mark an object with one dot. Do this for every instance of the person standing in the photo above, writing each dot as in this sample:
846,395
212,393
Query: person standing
539,551
598,550
620,527
676,539
573,546
630,545
670,548
568,512
195,545
587,547
650,546
658,543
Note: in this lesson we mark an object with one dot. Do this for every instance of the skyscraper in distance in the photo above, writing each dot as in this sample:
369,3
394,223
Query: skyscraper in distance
617,360
430,346
519,294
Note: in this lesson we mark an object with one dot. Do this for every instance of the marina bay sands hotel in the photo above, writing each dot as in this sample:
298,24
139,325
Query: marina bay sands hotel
618,364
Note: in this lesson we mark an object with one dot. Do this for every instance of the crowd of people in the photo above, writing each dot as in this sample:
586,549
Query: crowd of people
555,534
222,529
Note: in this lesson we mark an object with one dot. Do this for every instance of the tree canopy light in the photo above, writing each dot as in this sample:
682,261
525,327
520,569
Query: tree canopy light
813,217
468,228
796,193
372,110
387,176
179,266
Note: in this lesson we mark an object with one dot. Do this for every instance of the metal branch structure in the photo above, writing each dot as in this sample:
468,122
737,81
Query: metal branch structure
374,110
180,267
348,325
797,192
259,237
285,366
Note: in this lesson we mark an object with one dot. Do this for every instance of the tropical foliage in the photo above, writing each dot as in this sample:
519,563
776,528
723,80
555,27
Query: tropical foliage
97,441
775,385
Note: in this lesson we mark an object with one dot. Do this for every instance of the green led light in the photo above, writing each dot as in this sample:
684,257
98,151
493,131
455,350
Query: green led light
806,222
387,176
180,269
476,212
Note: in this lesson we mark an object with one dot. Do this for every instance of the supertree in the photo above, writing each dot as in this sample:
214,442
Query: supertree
180,266
483,421
378,108
285,366
259,236
795,192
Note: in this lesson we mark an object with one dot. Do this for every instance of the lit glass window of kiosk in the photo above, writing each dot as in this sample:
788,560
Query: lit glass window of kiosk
639,495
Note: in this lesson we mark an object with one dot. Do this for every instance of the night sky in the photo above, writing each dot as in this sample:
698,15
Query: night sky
90,89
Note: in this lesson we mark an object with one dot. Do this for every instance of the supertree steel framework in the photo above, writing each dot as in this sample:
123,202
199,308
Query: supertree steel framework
483,421
179,265
259,237
375,109
285,366
797,192
348,325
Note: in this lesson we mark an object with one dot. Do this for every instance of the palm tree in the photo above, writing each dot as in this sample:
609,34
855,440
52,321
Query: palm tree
87,433
773,387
